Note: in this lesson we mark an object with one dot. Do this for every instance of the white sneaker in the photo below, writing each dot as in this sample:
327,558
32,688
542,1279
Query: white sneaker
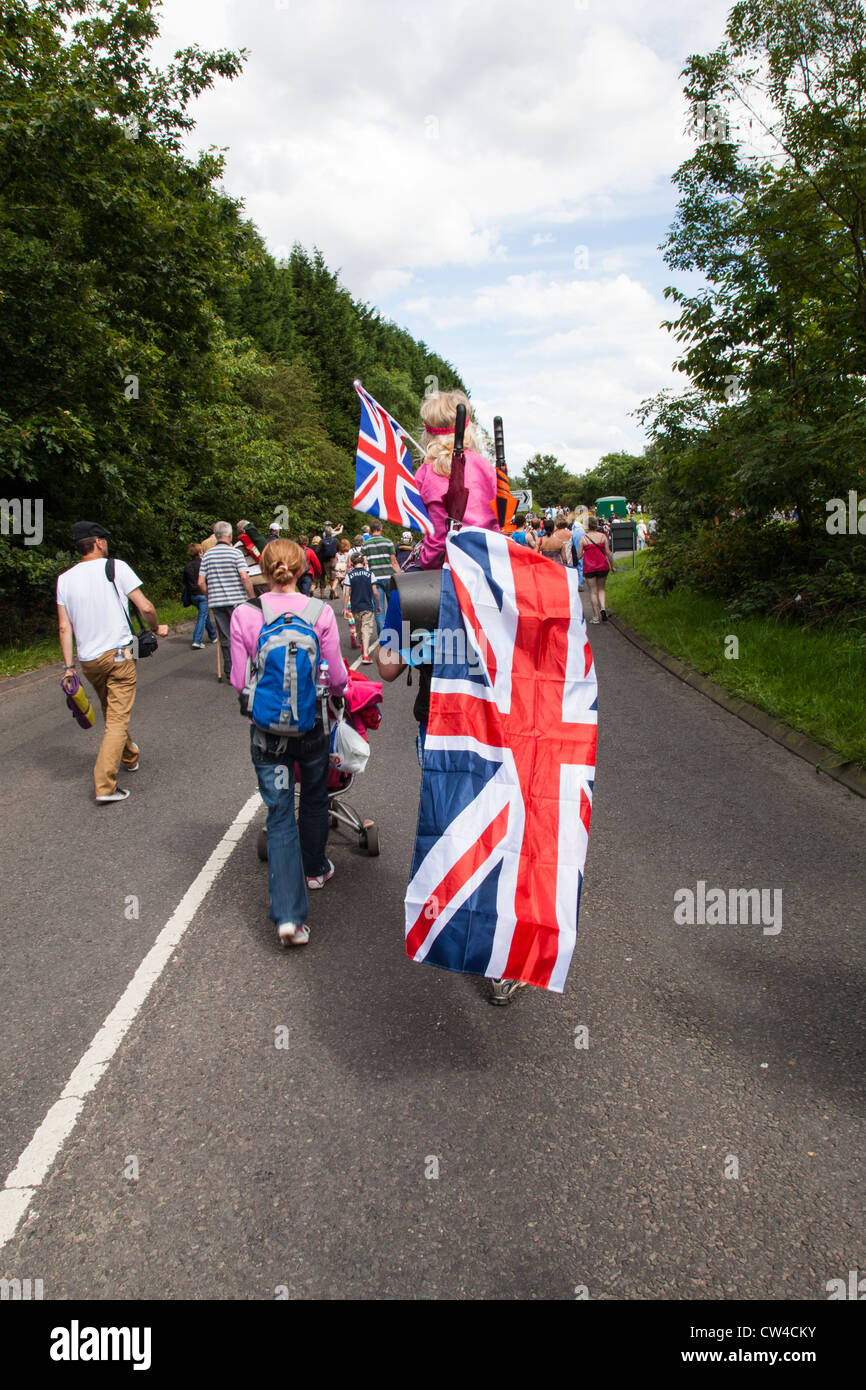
293,934
119,795
197,646
321,879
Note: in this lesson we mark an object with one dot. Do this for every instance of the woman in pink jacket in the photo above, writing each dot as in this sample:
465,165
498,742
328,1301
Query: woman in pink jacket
439,413
296,849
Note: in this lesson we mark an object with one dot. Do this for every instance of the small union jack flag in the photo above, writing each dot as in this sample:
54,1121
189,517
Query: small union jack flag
509,765
384,482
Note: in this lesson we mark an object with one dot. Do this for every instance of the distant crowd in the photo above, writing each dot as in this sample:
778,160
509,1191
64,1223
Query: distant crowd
222,572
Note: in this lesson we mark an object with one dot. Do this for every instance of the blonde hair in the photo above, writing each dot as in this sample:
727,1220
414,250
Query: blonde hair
283,561
439,409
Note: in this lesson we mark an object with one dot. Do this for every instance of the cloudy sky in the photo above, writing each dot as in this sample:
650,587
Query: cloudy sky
493,176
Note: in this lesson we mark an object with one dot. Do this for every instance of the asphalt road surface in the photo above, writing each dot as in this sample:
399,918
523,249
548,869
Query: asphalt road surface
706,1143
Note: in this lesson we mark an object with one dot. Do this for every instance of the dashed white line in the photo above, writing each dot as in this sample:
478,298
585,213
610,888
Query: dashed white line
36,1161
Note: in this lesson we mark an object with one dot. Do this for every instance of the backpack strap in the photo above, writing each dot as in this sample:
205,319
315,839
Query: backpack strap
109,574
312,611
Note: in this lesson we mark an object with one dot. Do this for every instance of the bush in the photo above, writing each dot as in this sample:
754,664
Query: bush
767,570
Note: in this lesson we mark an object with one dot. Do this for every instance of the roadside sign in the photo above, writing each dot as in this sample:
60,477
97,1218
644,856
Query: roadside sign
623,537
524,499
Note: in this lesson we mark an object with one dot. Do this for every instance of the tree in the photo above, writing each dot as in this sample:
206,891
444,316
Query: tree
618,475
112,245
159,368
550,483
776,343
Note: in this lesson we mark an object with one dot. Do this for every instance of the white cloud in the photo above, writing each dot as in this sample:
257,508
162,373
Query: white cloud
387,282
570,391
361,129
415,145
540,297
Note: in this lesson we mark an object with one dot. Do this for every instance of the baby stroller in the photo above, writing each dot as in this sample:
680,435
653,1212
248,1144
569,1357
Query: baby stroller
362,700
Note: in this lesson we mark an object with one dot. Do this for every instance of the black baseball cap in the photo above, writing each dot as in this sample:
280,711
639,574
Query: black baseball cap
81,530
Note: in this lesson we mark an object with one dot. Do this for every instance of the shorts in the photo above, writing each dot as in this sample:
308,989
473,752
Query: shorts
366,625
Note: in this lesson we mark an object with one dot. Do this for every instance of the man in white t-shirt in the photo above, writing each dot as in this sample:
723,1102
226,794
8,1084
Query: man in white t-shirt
96,612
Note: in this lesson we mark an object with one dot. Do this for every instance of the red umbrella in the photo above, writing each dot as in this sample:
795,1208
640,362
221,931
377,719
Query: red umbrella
458,494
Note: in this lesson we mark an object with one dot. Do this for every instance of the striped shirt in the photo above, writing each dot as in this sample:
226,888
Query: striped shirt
379,551
221,570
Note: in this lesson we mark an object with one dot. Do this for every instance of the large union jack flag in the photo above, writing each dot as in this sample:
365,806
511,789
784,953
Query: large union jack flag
509,764
384,482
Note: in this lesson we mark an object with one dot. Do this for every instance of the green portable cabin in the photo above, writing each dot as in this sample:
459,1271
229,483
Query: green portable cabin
610,506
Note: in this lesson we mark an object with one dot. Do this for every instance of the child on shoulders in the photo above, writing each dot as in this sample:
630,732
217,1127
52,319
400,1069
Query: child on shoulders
439,413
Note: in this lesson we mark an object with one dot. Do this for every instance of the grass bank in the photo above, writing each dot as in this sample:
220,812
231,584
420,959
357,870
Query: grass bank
42,651
813,680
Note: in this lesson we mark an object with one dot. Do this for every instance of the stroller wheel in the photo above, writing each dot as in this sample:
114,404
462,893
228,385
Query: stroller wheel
369,838
262,845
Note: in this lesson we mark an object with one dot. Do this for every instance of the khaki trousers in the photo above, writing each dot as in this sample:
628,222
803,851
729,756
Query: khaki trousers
114,683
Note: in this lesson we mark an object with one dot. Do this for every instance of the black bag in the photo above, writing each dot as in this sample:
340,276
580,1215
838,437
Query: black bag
327,550
186,597
144,642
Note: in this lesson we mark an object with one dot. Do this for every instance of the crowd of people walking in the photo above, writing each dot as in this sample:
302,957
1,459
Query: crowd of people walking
244,586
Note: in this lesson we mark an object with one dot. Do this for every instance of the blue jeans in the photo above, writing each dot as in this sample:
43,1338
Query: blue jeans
296,849
200,601
381,587
578,563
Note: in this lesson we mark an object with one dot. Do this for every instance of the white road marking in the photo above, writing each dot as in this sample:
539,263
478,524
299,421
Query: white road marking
36,1161
355,664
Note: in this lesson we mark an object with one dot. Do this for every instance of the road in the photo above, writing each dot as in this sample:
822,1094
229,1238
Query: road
310,1168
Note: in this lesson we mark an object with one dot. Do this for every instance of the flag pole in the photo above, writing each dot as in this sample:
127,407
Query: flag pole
422,452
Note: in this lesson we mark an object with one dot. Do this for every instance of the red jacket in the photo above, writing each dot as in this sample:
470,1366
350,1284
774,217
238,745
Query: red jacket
248,546
313,562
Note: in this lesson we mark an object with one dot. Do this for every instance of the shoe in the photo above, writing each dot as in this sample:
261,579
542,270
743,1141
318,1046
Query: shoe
366,661
211,639
505,990
293,934
119,795
321,879
604,615
133,767
197,646
595,620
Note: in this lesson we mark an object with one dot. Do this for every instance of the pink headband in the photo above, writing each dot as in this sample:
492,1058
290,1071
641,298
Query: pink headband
449,429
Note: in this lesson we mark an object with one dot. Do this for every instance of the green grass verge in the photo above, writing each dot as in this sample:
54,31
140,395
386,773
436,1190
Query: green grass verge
42,651
812,680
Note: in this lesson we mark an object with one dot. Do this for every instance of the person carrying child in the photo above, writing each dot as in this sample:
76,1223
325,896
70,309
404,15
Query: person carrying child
439,413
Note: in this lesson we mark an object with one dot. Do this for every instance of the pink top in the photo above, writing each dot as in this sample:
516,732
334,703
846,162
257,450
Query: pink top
479,477
595,559
247,622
